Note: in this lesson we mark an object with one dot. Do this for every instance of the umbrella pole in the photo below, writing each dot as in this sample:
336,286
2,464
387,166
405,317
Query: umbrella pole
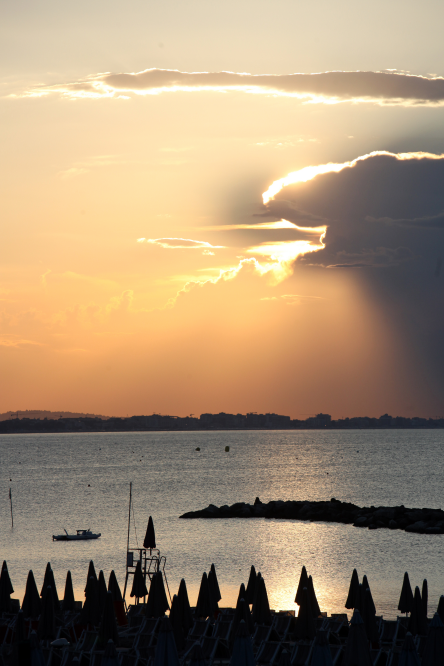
127,543
10,500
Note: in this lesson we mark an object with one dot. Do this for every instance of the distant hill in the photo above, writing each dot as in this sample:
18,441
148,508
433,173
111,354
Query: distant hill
44,414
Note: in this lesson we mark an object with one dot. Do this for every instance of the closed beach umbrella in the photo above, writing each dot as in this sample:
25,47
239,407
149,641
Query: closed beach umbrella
405,604
139,589
6,590
242,593
369,618
90,613
366,587
176,623
303,582
110,656
417,621
313,600
108,625
68,603
49,581
157,603
251,586
440,609
357,651
197,656
214,596
352,590
119,606
102,591
32,603
321,655
204,605
91,572
242,648
425,596
242,613
261,607
218,594
185,609
166,651
150,536
434,647
305,627
46,628
408,655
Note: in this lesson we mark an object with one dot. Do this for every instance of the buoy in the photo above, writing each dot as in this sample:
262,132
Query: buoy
197,448
227,448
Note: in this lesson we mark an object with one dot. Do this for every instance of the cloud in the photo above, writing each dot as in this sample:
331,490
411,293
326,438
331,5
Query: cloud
426,222
182,244
387,87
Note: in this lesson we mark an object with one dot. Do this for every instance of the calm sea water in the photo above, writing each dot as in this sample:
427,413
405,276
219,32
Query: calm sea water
78,481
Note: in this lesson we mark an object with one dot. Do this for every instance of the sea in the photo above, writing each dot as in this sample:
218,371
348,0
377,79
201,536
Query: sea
82,480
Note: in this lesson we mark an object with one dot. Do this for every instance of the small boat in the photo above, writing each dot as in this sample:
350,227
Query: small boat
82,535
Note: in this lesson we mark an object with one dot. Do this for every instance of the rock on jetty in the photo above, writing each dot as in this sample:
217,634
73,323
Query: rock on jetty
422,521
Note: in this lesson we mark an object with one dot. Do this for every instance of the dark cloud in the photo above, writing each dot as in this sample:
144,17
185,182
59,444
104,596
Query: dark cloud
385,220
379,87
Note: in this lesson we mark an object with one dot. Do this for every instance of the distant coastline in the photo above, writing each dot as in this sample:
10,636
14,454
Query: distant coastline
222,421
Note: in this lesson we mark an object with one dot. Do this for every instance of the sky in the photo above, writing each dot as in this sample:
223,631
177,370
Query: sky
222,206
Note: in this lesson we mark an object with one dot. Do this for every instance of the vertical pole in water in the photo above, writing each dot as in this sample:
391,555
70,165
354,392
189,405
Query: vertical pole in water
10,500
127,543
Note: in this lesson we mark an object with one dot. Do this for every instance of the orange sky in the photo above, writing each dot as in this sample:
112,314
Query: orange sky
142,270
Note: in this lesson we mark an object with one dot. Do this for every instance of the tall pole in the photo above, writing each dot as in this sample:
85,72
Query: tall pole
127,543
10,500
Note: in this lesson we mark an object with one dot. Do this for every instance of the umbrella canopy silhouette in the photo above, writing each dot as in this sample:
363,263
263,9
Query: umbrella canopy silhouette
242,593
197,657
119,606
91,572
102,591
417,620
185,609
6,590
305,627
352,590
357,651
214,594
108,624
242,613
177,623
366,587
110,656
204,605
242,654
157,603
68,603
139,588
408,655
49,581
251,586
261,606
303,582
369,617
321,655
434,648
440,609
47,628
216,583
425,596
90,613
166,651
150,536
32,603
313,600
405,604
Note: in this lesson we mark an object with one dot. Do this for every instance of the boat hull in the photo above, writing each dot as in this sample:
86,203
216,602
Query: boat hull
74,537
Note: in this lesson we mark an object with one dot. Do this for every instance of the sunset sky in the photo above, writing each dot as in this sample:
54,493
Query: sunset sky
222,206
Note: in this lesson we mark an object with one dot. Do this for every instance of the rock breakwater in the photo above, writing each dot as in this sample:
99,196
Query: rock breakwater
422,521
